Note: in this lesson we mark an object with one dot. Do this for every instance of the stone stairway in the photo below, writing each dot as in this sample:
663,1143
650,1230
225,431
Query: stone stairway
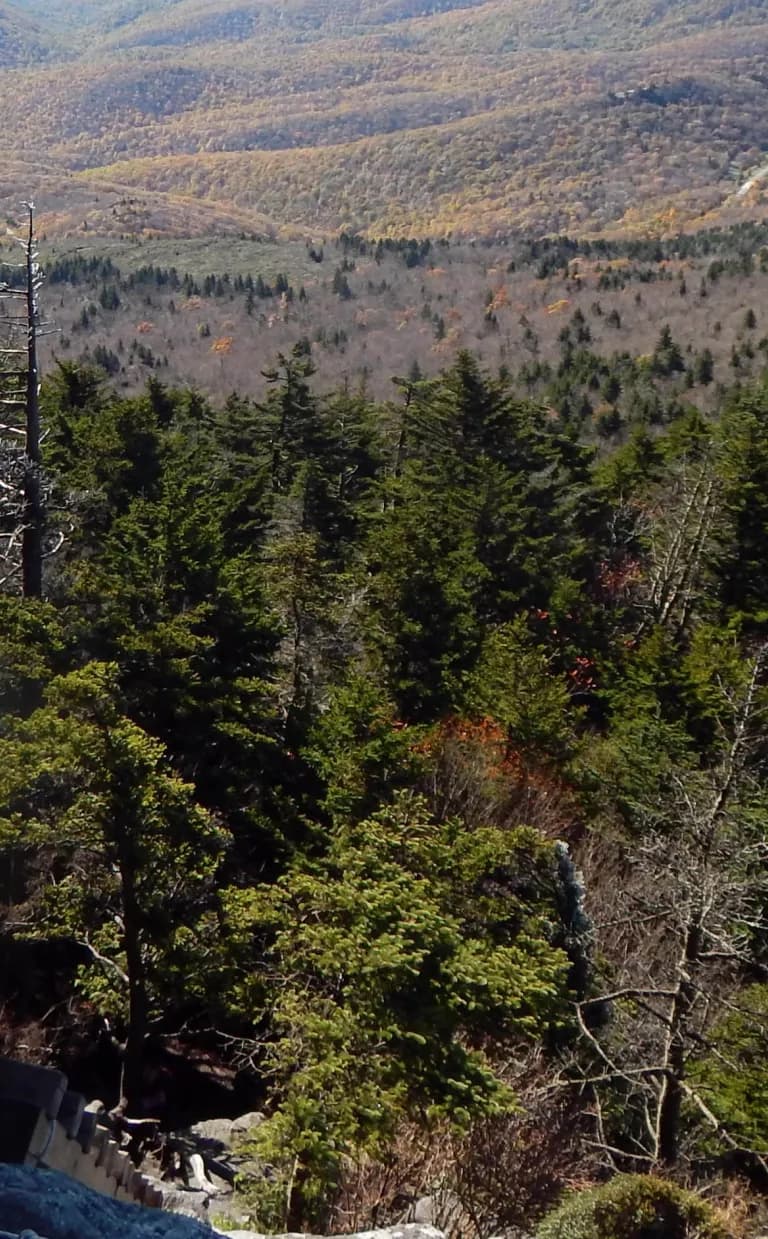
44,1124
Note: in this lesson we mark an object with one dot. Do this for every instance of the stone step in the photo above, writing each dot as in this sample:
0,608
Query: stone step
71,1112
86,1132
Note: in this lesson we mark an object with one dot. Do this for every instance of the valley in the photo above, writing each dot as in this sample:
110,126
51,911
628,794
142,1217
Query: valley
217,311
388,119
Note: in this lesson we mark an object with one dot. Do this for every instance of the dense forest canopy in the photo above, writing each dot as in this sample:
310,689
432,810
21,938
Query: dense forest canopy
384,597
410,756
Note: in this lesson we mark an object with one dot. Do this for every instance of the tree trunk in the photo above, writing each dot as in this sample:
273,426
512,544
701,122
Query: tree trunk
671,1097
32,534
138,1006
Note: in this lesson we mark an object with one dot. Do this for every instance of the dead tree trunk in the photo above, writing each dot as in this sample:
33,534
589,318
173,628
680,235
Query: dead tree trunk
676,1049
23,495
34,509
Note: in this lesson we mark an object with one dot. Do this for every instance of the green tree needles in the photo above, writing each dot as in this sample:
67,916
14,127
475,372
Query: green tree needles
385,969
123,856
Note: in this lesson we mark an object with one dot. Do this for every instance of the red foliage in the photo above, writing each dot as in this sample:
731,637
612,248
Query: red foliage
616,581
580,675
476,771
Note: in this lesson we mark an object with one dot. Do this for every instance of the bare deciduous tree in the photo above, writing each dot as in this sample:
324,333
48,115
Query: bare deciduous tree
680,538
22,495
680,933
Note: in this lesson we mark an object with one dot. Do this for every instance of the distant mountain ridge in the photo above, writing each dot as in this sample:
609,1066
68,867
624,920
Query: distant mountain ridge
392,114
22,39
553,24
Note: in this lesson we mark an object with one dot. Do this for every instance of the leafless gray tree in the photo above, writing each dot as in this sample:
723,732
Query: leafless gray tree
679,934
22,491
680,533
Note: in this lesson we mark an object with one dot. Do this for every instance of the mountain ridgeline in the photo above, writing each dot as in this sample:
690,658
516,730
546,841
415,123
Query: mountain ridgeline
392,118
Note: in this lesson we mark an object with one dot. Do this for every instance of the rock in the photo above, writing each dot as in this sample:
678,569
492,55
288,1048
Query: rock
441,1209
224,1187
520,1234
411,1230
245,1123
425,1210
227,1132
253,1168
218,1131
188,1203
228,1214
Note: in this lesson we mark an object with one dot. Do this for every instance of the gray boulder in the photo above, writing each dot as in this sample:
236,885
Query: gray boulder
442,1209
245,1124
411,1230
225,1133
218,1131
188,1202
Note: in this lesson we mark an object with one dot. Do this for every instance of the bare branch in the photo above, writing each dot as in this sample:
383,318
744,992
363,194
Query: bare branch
105,962
627,992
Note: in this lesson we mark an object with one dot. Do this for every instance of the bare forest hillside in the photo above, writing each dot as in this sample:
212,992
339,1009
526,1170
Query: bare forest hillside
387,117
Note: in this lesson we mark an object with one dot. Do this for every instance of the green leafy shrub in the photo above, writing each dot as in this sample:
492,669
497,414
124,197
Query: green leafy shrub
632,1207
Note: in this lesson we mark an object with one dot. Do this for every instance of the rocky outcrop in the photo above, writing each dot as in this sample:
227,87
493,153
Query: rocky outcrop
226,1133
410,1230
64,1176
45,1125
199,1166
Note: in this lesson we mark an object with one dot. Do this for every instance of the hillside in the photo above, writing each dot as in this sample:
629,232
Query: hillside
374,755
393,116
216,312
549,24
22,40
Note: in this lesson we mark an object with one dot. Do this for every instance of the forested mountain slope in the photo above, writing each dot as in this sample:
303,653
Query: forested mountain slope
407,759
546,23
564,314
22,40
383,732
404,117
